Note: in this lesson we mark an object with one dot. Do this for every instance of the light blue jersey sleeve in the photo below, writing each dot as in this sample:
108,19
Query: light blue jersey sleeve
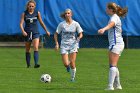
78,28
59,28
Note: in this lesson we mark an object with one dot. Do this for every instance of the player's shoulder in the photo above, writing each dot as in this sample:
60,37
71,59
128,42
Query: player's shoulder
62,23
25,12
115,16
75,22
36,11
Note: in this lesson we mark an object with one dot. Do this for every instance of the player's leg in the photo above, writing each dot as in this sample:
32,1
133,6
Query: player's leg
118,50
28,54
65,60
36,54
73,66
113,59
117,84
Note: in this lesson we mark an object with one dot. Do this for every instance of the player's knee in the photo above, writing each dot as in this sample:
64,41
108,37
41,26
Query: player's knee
72,65
66,65
35,48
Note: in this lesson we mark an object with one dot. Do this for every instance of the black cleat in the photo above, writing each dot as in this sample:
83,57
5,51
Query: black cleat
28,66
36,66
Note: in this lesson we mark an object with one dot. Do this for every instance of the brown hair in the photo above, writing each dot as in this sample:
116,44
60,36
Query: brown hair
62,15
30,1
117,9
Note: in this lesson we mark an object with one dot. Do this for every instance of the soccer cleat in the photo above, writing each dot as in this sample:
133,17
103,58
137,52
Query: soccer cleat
72,80
28,66
36,66
109,88
68,68
118,87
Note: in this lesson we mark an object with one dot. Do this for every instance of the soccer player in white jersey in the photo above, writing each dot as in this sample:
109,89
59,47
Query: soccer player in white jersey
69,41
116,43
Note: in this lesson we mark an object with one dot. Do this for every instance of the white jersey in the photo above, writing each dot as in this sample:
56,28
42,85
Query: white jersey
115,33
68,34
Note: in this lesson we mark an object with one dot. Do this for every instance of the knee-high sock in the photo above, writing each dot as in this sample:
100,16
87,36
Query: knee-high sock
112,75
36,57
117,78
28,58
73,72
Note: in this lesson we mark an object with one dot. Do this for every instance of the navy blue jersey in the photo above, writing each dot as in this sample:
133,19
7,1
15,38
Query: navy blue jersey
31,22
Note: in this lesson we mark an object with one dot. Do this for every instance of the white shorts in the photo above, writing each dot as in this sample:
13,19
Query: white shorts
117,49
65,51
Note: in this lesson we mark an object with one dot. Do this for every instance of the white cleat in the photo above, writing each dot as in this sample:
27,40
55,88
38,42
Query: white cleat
119,87
72,80
109,88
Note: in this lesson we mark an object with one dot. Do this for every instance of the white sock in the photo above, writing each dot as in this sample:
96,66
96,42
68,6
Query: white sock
73,72
112,75
117,79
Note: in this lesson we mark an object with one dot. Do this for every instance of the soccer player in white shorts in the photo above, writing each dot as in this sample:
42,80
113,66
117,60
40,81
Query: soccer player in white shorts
69,41
116,43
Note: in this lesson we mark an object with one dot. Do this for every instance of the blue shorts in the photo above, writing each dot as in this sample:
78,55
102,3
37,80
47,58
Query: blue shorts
30,36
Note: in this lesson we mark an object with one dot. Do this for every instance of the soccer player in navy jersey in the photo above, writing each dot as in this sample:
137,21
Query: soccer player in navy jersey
30,17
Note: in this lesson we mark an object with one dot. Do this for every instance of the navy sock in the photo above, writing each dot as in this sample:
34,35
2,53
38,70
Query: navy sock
36,57
28,57
111,66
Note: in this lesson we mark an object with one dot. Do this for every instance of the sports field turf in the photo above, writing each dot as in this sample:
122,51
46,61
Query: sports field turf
91,77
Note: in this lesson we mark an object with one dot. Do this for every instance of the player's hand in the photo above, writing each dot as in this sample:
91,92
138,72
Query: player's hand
48,33
56,47
101,31
24,33
78,39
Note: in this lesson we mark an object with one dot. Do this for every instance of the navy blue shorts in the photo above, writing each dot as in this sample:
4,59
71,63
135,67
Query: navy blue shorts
30,36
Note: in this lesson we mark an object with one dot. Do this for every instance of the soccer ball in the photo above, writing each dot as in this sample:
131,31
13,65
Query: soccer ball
46,78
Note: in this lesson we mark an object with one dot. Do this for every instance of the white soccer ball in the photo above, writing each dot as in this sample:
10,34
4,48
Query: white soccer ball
46,78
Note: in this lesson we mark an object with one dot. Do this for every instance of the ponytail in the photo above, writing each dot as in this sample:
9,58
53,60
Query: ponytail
62,15
121,11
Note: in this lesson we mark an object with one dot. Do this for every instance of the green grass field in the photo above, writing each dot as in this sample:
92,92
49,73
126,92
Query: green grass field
91,77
